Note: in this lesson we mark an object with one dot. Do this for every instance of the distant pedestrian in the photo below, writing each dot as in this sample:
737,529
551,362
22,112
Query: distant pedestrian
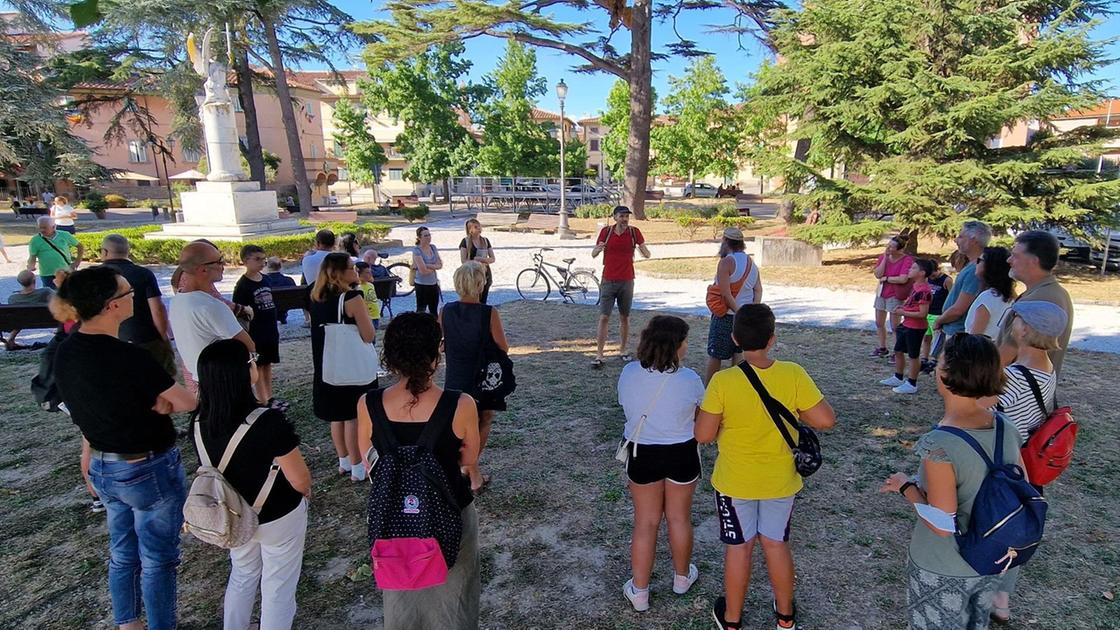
660,397
120,398
27,294
3,251
277,279
739,281
271,561
338,404
755,478
465,324
399,414
148,327
617,243
477,248
426,261
48,197
893,271
197,318
997,292
254,290
64,214
943,590
50,251
1032,261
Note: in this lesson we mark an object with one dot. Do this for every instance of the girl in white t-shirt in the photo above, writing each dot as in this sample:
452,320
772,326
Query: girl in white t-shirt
997,293
660,398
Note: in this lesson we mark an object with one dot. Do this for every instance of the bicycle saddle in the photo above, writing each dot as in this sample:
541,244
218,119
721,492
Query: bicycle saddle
569,260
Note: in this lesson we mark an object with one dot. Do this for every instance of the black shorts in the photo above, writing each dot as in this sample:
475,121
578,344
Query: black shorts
650,463
909,340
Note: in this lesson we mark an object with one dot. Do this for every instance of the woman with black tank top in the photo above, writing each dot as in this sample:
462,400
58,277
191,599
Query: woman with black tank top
410,350
226,375
477,248
463,323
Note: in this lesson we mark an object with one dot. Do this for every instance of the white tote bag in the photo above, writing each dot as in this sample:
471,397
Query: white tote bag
347,360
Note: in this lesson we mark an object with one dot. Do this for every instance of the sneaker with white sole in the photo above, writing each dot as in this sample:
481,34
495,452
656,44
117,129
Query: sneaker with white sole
892,381
639,599
906,388
96,506
681,583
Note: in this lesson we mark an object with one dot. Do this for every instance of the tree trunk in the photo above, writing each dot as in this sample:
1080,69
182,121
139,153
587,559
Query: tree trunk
254,153
641,109
288,115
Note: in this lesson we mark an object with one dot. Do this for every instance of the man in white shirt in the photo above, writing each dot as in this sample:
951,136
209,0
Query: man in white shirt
198,319
312,260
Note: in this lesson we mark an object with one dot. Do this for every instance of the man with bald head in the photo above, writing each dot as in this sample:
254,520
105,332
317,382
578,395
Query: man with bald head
198,319
27,294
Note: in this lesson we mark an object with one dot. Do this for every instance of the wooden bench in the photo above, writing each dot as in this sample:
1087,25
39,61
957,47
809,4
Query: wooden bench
546,223
30,211
500,220
655,195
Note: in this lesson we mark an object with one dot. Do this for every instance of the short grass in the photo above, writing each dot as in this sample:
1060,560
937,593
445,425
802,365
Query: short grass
555,524
852,269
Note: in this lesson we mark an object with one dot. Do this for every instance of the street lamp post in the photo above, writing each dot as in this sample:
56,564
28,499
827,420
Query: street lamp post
562,231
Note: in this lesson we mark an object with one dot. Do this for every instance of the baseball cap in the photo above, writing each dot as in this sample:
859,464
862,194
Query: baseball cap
621,210
1046,317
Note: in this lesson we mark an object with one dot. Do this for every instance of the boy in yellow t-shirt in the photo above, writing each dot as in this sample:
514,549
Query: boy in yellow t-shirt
754,476
365,283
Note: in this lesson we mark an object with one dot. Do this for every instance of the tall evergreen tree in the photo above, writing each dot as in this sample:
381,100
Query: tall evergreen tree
911,95
701,137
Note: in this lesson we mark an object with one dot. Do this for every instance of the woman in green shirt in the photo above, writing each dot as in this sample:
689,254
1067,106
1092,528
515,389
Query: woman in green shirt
944,591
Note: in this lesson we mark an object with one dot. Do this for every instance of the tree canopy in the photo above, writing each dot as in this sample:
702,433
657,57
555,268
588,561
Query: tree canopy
700,135
902,103
360,150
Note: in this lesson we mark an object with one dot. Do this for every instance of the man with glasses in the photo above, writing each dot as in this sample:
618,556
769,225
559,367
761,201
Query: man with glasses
198,319
148,326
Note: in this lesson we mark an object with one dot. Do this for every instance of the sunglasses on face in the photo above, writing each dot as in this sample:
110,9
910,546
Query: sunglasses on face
220,261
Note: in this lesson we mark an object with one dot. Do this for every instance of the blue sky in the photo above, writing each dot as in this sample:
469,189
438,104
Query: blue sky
587,93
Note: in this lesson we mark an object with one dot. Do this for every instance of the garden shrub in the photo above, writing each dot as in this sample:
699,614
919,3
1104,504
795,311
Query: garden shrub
726,209
116,201
720,222
597,211
149,203
415,213
94,202
691,224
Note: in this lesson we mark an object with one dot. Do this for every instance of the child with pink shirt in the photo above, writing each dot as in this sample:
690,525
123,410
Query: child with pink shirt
909,335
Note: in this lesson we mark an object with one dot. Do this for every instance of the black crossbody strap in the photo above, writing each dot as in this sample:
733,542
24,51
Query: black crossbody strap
64,255
1035,388
777,410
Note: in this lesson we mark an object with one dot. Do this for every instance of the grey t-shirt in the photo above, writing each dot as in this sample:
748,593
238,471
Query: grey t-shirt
939,554
42,295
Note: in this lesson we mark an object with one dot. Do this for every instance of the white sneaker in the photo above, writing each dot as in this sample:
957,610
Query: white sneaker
681,583
893,381
638,599
906,388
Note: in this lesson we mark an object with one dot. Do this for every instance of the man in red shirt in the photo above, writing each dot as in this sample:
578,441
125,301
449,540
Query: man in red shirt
617,244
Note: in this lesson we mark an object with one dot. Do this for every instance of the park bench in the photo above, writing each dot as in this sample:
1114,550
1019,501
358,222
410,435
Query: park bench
545,223
497,220
655,195
743,203
30,211
25,317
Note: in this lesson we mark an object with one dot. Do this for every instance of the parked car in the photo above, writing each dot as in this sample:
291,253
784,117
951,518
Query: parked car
699,189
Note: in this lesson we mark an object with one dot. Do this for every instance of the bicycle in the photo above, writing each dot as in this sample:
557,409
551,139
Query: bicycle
392,286
578,287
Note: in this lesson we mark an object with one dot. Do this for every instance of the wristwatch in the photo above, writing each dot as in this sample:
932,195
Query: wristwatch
904,487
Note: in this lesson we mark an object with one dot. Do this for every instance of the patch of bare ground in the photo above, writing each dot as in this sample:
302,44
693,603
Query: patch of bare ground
555,524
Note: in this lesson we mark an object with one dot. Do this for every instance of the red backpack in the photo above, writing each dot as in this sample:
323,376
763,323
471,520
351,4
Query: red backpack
1049,449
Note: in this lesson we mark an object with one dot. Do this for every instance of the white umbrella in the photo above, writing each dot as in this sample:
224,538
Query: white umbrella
192,174
134,176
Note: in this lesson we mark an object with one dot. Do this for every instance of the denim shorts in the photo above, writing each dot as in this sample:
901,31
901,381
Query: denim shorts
611,291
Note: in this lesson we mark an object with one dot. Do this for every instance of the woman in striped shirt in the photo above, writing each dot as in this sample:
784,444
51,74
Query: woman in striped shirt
1035,327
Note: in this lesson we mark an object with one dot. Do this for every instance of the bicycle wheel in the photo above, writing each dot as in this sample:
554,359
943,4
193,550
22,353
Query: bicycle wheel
400,270
583,288
533,285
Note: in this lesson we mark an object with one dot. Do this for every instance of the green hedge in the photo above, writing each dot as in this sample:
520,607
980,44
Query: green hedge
594,211
166,251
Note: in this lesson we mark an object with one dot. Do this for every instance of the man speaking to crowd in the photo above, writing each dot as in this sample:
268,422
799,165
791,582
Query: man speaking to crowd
617,244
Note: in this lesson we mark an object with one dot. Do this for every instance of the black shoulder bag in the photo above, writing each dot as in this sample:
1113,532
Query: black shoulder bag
807,451
495,369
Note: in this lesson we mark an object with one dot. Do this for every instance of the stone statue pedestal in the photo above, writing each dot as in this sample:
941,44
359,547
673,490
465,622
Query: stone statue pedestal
229,211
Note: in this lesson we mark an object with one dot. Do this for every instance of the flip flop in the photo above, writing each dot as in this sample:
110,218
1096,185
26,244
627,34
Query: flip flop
596,364
626,358
279,405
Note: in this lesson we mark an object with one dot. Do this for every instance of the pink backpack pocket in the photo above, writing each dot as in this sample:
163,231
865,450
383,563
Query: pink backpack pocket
407,564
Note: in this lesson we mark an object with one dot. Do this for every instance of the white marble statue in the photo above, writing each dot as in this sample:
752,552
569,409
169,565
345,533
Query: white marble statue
215,110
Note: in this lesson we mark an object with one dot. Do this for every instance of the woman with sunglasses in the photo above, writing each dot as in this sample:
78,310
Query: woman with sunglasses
227,372
120,399
338,404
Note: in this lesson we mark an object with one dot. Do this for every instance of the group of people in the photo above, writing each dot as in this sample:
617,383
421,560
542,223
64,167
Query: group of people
119,333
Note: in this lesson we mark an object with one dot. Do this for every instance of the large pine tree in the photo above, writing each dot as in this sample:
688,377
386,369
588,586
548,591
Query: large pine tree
901,103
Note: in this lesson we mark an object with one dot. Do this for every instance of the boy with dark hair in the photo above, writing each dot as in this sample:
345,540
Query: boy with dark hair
754,476
254,290
277,279
909,336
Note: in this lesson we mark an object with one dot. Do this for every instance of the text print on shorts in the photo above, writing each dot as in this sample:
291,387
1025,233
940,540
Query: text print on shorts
743,519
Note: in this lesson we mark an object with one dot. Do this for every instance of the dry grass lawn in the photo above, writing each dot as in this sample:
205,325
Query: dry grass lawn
555,524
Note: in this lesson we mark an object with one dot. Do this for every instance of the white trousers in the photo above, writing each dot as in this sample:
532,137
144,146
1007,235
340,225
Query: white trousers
271,561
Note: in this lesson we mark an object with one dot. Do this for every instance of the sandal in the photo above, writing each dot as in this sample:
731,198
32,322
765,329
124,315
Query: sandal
786,619
718,610
596,364
626,358
477,492
278,405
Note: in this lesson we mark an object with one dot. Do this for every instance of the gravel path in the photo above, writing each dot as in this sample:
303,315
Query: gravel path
1095,327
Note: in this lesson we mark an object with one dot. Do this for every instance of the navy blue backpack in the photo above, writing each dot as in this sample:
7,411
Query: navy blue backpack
1008,513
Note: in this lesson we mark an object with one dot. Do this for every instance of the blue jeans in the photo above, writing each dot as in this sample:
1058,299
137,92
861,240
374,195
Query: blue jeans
144,504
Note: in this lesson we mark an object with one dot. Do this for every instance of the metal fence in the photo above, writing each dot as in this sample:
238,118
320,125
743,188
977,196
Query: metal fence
531,194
